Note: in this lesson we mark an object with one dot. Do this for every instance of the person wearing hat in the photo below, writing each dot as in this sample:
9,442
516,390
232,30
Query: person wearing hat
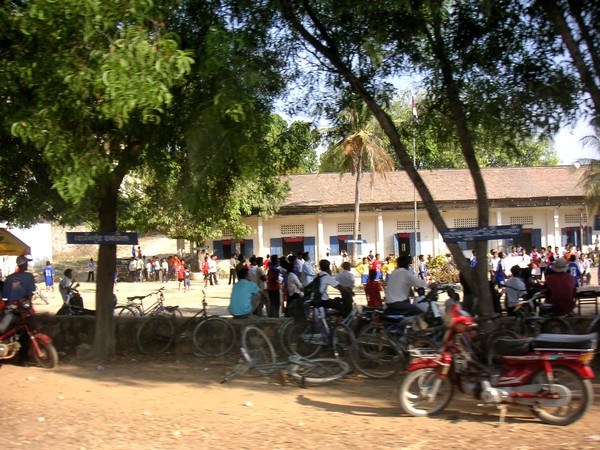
560,288
19,284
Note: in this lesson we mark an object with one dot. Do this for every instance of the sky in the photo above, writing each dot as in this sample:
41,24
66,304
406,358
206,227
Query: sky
568,144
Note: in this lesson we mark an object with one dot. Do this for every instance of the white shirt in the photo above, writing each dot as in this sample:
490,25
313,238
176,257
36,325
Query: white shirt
399,285
293,284
345,278
326,280
515,289
307,274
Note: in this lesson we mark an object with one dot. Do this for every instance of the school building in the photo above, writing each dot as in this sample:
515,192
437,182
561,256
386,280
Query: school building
318,214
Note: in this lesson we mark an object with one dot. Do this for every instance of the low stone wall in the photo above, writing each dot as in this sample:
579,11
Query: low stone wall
69,332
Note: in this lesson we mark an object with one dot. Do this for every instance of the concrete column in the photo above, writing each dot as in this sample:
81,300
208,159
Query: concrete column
380,244
556,225
321,245
260,237
499,222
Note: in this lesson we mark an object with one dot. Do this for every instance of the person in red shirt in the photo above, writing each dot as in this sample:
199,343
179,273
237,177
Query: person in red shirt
560,288
376,266
373,290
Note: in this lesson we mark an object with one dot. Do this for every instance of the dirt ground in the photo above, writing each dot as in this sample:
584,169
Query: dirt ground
134,402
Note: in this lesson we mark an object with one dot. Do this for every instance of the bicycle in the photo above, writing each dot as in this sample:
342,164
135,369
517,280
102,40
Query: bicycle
135,306
308,337
211,335
258,354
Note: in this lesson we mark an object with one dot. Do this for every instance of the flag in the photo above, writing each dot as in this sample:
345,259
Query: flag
414,110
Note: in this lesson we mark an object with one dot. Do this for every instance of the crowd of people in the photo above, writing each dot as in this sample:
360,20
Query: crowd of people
554,271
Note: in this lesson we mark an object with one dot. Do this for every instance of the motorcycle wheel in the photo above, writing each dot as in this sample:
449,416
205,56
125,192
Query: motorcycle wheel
582,394
48,357
413,394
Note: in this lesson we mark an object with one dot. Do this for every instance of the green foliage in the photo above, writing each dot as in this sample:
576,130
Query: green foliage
441,270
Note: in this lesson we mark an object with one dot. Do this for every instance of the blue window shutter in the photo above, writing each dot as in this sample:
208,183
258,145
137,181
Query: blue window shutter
309,246
218,249
276,246
396,246
248,248
588,236
334,245
359,247
536,237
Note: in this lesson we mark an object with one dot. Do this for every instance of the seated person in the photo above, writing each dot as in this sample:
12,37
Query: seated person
245,296
399,287
515,289
560,288
373,290
344,305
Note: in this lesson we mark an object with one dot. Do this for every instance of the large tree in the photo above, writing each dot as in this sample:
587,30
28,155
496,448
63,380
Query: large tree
477,63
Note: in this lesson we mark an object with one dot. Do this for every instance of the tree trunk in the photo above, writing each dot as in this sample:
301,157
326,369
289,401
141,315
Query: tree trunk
104,335
326,46
588,78
356,210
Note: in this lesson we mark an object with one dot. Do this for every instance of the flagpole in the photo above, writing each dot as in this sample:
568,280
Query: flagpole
415,118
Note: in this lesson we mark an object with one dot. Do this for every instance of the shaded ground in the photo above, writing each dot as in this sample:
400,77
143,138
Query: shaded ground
137,403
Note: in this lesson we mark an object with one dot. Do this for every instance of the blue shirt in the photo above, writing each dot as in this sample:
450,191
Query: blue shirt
573,269
18,285
241,297
48,275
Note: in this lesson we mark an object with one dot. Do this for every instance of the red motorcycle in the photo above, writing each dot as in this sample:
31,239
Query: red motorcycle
550,373
16,325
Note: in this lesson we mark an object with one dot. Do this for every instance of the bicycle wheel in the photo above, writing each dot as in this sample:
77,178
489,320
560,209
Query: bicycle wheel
556,325
213,336
319,371
305,338
375,354
155,335
342,339
125,311
257,349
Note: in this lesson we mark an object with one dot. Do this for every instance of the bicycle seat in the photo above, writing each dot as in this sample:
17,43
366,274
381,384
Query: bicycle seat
137,297
171,308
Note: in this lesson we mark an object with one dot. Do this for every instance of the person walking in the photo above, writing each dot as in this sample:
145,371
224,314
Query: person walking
91,270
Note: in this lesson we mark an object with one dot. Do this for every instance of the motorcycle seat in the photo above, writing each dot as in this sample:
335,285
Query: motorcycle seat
512,346
566,341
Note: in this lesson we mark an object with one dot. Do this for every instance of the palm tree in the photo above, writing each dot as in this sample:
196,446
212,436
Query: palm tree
360,149
591,178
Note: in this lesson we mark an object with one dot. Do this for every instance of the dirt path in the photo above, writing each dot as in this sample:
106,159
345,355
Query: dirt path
133,403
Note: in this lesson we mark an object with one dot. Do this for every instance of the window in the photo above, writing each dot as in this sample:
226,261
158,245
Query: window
521,220
346,228
403,225
292,230
466,222
576,218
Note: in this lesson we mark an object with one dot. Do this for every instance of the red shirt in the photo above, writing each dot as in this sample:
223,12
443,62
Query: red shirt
373,293
376,265
561,287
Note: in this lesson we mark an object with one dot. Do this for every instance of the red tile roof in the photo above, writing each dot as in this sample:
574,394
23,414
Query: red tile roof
507,184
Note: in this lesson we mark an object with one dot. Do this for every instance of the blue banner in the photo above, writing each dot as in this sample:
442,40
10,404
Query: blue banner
102,238
482,233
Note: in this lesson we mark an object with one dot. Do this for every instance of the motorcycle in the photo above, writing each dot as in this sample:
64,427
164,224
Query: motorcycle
549,373
73,304
17,324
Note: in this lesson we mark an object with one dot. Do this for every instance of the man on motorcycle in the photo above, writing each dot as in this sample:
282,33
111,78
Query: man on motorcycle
16,286
398,289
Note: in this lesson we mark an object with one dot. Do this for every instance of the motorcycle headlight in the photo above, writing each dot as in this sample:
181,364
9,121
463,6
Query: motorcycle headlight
26,303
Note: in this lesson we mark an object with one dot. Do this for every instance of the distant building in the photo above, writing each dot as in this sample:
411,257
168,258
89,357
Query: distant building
318,214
